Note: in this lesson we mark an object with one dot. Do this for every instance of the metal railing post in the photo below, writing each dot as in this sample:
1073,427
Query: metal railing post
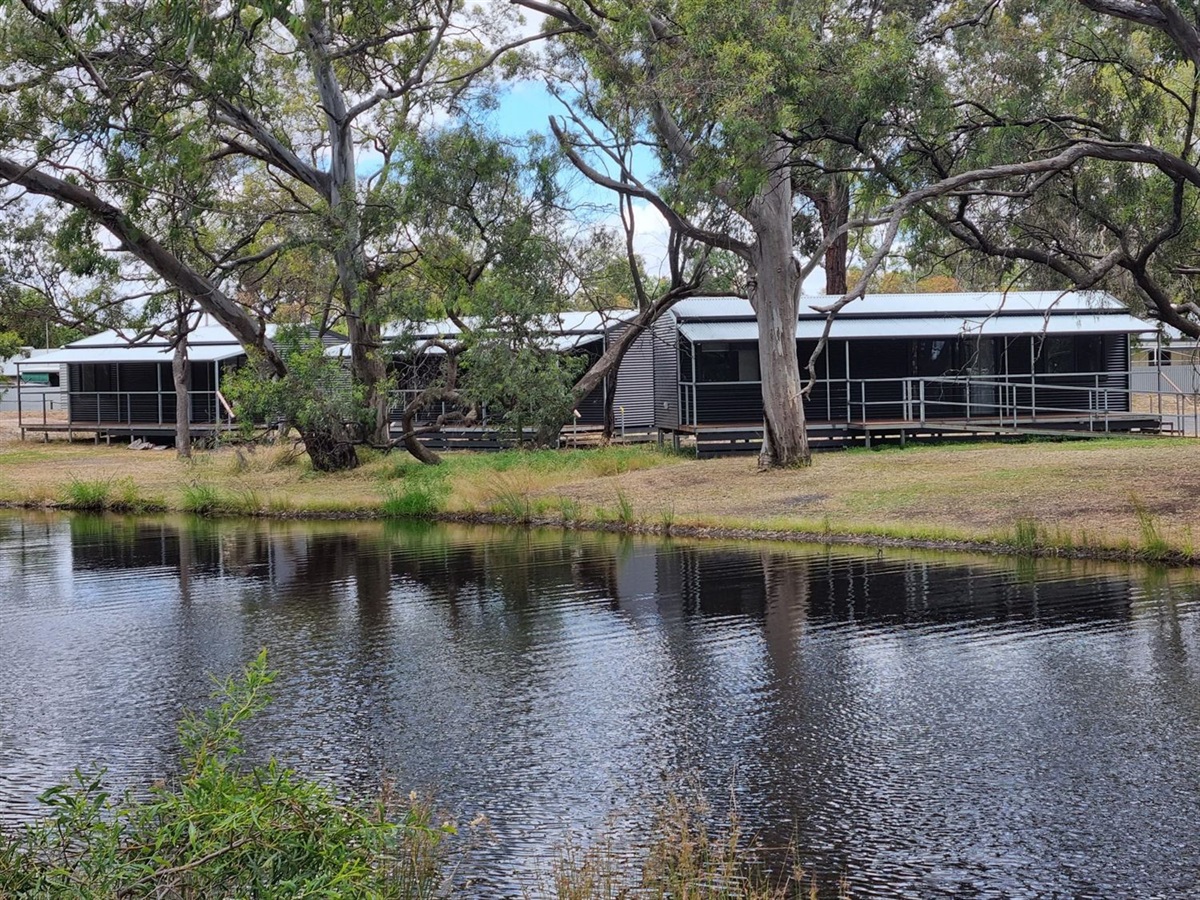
922,392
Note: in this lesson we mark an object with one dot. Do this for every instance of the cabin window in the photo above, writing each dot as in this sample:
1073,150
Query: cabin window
97,377
45,379
1071,354
721,361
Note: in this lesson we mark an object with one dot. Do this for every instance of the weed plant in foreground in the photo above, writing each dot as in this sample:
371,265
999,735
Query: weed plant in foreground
222,829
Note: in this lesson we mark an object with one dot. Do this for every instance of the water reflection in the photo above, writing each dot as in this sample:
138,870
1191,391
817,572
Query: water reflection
927,726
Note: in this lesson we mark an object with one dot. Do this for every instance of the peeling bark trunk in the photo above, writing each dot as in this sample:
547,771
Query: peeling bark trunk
368,369
366,363
182,377
774,294
834,209
330,449
610,401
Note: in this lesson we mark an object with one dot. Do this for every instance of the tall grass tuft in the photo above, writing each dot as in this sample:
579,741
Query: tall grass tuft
569,509
201,499
1025,537
624,510
1154,544
512,503
87,495
686,858
412,500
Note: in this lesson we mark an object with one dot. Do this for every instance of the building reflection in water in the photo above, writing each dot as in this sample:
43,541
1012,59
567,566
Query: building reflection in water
874,704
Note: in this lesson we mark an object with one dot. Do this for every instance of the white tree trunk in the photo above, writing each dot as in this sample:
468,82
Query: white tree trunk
774,294
181,375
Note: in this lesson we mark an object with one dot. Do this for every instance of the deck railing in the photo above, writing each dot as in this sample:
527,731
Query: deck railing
1005,400
126,409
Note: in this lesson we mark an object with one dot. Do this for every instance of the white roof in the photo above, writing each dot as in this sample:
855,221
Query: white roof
207,343
137,353
568,322
31,363
925,327
977,304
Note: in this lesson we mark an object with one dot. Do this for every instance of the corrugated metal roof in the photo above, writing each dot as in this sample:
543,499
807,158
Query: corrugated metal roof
568,322
978,303
205,334
945,326
138,353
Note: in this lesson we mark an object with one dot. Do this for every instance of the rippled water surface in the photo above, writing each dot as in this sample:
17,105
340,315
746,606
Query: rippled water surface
926,726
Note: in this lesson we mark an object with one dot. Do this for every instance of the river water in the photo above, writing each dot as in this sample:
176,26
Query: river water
923,725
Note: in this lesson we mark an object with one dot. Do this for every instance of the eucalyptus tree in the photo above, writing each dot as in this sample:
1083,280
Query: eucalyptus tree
738,100
280,123
1063,148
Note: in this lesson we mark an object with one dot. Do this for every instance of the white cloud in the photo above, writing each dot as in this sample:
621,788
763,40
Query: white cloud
650,235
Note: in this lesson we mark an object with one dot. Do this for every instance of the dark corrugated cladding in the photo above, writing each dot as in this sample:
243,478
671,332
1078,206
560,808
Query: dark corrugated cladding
635,381
901,357
665,346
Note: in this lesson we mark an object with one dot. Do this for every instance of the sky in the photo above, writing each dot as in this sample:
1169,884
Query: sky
526,106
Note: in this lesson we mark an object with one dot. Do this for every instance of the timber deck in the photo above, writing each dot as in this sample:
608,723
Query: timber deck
735,438
106,431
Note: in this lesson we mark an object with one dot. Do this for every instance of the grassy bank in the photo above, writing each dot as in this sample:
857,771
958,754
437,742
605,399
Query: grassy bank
1122,498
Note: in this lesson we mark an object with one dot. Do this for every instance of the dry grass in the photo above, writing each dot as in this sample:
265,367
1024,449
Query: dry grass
1089,492
1115,493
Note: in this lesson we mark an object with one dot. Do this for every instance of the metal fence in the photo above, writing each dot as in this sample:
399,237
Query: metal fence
1097,400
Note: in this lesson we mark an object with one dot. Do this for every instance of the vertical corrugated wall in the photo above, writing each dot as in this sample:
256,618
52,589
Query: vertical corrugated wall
635,381
1116,364
665,347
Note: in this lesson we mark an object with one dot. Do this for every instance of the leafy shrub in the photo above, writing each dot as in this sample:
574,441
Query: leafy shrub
221,831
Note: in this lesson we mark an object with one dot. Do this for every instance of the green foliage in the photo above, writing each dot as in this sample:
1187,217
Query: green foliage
523,384
220,830
201,499
316,394
10,344
87,495
411,501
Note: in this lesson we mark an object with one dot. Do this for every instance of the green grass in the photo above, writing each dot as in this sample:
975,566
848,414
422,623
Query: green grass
412,502
1025,536
87,495
624,510
201,499
1154,544
601,462
511,503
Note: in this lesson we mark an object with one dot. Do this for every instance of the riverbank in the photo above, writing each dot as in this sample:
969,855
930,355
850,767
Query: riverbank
1118,498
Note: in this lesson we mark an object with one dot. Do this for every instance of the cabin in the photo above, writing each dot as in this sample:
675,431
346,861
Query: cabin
118,387
904,361
35,386
582,333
